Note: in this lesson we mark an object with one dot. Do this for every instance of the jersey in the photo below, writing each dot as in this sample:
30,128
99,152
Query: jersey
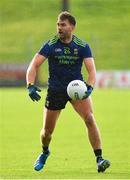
64,60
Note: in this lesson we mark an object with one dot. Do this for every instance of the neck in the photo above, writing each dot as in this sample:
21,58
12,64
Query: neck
66,40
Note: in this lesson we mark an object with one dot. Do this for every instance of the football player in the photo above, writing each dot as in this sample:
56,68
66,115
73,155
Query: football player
65,53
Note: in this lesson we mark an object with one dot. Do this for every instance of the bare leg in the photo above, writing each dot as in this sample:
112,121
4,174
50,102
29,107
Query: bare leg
50,118
84,109
49,122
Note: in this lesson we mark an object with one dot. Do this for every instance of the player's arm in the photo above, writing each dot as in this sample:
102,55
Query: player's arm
91,69
31,76
33,68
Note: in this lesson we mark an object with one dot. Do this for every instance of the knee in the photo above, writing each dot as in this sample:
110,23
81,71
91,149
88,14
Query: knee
89,119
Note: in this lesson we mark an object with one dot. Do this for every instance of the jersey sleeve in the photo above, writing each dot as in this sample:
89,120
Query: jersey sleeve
45,50
87,52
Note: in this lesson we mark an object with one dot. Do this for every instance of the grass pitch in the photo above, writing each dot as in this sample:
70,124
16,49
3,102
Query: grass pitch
71,154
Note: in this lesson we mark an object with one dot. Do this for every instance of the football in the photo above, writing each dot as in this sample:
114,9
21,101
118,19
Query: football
77,90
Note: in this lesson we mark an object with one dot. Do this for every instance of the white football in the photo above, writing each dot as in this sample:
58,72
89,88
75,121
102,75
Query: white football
77,90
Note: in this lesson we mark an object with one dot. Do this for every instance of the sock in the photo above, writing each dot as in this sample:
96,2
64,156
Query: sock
98,154
45,149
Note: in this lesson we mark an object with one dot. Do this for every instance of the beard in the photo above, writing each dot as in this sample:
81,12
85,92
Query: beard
64,36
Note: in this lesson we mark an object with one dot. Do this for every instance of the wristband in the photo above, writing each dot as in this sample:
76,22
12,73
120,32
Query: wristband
30,84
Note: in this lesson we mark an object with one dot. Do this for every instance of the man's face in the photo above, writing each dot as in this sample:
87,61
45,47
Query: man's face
64,29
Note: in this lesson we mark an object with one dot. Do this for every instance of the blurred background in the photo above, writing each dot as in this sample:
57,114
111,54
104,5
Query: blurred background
26,24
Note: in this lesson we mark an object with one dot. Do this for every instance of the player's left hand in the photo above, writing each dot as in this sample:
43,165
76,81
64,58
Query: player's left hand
33,92
89,90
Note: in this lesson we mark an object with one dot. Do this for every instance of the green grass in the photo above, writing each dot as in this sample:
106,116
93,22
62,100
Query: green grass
71,153
26,24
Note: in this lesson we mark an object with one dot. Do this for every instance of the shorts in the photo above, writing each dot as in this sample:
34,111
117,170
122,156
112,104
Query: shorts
56,99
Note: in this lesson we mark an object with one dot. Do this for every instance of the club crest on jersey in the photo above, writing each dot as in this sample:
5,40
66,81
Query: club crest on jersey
66,50
75,51
58,50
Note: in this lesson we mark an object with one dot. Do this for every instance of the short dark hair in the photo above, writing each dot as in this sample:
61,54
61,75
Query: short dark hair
66,15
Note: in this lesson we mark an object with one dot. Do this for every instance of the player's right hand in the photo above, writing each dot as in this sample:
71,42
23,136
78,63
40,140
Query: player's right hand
33,92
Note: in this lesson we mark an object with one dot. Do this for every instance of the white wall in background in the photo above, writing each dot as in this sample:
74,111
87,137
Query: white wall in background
118,79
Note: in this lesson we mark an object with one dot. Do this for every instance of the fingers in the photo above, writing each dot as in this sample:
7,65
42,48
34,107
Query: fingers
31,97
35,96
87,94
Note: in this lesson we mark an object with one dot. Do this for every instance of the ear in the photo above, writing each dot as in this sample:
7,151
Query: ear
73,28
